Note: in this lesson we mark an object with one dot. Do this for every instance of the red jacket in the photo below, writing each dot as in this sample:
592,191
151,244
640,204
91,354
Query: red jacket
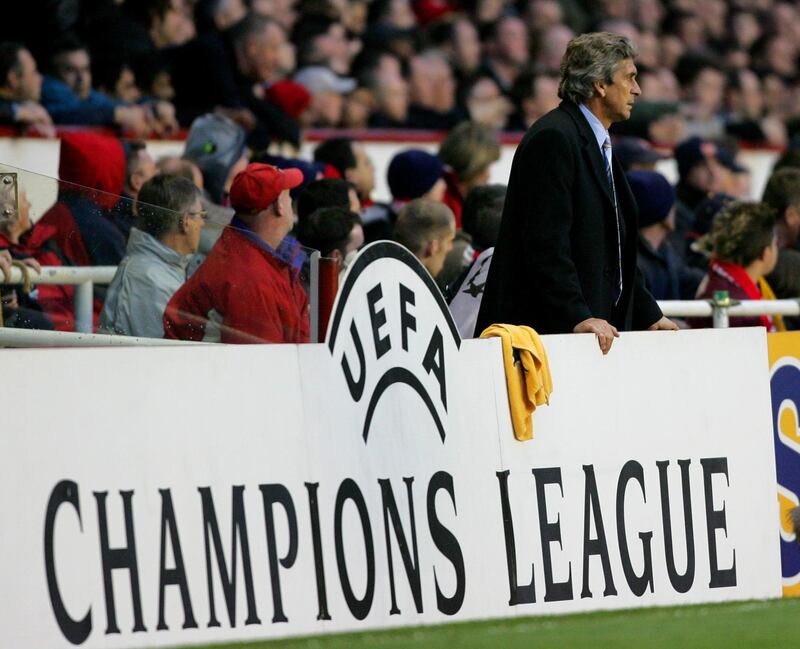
452,196
54,299
240,294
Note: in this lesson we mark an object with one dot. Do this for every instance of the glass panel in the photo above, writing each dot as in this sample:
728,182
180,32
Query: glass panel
112,265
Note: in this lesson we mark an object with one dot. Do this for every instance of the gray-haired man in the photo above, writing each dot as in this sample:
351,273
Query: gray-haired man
169,220
565,259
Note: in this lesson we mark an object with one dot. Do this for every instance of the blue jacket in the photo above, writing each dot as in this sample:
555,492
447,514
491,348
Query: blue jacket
65,107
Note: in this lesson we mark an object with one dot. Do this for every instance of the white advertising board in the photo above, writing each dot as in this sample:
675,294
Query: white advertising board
175,496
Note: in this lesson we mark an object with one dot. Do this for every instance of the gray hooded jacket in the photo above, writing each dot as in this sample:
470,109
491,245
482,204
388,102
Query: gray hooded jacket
146,279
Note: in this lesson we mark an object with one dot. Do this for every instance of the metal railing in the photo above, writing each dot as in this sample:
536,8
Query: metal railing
83,278
10,337
721,312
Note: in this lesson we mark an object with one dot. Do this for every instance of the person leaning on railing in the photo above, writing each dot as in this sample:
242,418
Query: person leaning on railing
744,250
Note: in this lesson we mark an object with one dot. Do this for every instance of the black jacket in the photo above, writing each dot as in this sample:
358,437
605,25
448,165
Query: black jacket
556,254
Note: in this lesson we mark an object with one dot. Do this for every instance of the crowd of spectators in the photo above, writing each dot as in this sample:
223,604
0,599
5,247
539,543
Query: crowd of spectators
707,68
244,78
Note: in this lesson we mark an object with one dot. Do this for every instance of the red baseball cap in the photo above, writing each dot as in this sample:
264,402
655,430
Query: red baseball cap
259,185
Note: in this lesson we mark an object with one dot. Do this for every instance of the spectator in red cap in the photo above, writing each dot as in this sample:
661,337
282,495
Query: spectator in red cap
248,289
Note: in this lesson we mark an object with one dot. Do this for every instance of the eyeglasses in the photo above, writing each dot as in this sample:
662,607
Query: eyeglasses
202,214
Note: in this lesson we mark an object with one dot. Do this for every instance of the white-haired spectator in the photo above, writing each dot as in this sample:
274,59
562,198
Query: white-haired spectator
169,219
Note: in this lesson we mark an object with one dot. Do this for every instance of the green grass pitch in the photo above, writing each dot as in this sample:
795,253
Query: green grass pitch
755,624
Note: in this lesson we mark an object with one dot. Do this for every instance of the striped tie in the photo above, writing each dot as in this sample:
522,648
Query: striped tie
610,176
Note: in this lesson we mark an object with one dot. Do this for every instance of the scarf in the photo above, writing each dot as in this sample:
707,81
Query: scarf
769,294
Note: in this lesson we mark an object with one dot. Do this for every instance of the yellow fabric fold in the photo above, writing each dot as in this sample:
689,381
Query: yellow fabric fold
527,374
768,294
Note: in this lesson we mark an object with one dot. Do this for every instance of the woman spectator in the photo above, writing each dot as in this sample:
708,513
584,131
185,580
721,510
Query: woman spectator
745,250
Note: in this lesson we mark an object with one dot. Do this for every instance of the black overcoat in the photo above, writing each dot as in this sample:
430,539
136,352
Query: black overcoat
556,254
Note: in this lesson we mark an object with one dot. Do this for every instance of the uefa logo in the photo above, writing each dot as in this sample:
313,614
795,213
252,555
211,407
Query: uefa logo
390,326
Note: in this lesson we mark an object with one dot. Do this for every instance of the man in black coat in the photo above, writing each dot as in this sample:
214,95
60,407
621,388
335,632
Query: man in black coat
565,259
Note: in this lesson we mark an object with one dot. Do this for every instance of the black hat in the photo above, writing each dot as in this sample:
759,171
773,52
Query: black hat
654,196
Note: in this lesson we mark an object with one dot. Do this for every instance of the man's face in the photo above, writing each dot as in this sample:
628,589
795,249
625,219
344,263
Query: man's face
126,89
393,99
327,107
264,52
621,92
363,175
770,256
27,82
75,70
709,89
176,26
287,214
545,98
707,176
466,46
143,170
193,222
512,39
441,247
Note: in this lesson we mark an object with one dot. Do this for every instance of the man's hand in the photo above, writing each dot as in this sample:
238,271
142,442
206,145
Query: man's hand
665,324
35,119
244,117
32,262
604,331
134,120
164,121
29,112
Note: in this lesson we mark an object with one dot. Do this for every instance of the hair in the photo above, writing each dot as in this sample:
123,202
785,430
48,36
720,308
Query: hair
68,42
205,12
305,34
782,190
328,229
470,148
741,232
325,192
420,221
525,85
174,166
146,10
9,60
590,58
249,27
146,67
162,202
691,64
482,213
107,70
338,153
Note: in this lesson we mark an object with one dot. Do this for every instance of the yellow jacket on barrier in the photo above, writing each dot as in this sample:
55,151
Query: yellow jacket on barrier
527,374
